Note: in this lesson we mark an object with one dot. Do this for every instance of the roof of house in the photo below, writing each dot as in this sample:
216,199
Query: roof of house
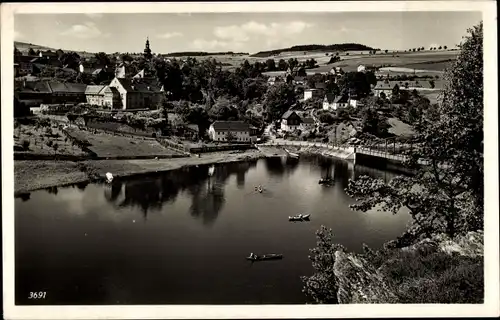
67,87
330,97
140,85
140,74
32,86
340,99
25,58
94,89
230,126
289,113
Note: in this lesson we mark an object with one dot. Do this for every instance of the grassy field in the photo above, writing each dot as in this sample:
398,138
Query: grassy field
425,61
108,145
433,96
32,175
40,138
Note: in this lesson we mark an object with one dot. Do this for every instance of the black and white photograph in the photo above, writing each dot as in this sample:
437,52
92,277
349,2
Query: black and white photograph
249,159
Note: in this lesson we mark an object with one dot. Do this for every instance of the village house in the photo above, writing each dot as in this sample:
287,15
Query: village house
290,121
273,80
67,92
361,68
33,93
336,71
332,102
307,124
138,93
103,96
229,131
312,93
299,80
385,88
23,65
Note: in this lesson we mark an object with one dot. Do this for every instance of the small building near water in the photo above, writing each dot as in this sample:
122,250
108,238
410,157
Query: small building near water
227,131
290,121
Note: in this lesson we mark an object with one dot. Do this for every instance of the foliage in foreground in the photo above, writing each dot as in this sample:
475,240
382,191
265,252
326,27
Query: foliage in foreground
430,276
446,194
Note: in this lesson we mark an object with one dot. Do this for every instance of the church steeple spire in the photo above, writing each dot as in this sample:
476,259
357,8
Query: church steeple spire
147,50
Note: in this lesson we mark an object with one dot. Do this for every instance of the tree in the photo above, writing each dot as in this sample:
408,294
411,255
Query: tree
386,50
326,118
279,98
103,59
445,47
446,196
282,65
302,72
270,65
31,52
440,47
72,117
395,90
70,59
432,84
26,144
321,286
55,146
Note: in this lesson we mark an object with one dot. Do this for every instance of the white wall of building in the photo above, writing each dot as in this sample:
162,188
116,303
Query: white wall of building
240,136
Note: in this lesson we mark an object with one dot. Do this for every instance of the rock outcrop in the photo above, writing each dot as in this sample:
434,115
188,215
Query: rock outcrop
360,282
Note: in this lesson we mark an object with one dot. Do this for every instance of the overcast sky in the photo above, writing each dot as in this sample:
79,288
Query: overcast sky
242,32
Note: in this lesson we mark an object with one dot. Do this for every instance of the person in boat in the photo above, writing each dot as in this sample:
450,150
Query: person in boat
253,256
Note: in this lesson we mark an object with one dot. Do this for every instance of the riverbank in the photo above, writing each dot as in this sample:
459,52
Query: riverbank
31,175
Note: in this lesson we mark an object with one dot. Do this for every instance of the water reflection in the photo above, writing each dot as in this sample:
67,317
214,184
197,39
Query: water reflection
205,187
278,166
52,190
82,185
86,231
25,196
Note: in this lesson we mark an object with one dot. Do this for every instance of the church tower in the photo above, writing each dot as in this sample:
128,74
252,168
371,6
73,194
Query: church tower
147,51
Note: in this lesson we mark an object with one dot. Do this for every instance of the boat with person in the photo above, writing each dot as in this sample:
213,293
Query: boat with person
299,217
325,181
259,189
271,256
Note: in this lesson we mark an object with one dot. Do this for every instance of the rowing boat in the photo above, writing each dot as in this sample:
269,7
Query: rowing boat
272,256
299,217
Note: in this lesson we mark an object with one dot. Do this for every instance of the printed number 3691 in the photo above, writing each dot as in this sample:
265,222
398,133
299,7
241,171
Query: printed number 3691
37,295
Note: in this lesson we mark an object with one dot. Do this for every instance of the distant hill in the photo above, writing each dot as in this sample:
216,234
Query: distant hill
24,46
315,47
202,54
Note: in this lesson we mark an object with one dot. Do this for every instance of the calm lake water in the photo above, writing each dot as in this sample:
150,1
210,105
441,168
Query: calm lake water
181,237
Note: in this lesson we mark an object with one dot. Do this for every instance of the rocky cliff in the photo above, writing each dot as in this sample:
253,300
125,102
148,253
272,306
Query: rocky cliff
395,275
